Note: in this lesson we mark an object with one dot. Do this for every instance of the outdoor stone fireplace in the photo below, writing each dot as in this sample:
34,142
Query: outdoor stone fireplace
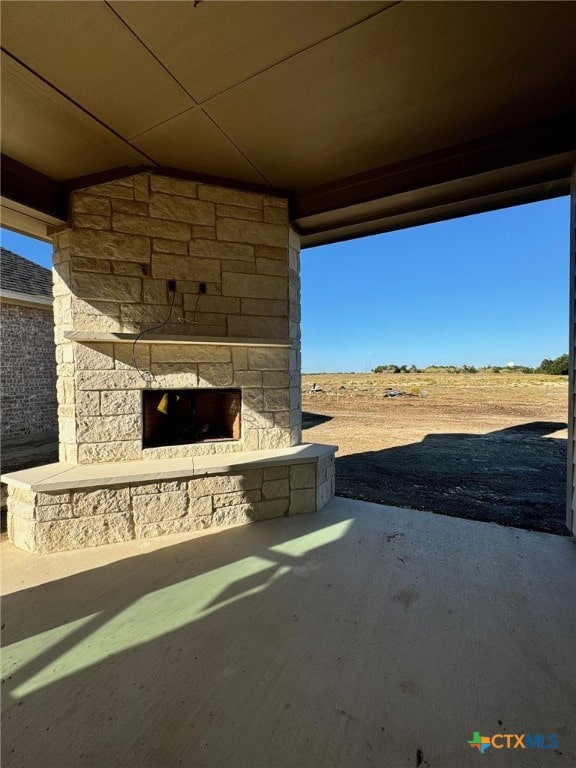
186,416
177,329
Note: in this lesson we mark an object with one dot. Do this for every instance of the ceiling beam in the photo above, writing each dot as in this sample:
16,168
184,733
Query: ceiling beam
432,212
510,148
27,187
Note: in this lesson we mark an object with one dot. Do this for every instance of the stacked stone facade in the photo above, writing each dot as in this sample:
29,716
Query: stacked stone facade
104,420
28,380
127,239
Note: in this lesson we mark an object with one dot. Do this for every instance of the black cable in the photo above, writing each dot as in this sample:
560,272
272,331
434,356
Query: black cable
148,376
192,322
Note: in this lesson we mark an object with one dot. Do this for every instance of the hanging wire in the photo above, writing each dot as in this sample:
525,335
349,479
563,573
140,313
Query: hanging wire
148,376
194,321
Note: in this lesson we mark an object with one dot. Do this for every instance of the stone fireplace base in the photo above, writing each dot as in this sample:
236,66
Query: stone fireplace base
62,506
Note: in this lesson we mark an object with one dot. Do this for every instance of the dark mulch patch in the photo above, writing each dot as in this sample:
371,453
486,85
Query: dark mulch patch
514,477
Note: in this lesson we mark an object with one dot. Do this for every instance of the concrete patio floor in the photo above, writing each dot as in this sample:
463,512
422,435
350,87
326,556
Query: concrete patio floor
360,636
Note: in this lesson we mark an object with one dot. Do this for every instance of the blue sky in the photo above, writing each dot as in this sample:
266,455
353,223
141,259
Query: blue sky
480,290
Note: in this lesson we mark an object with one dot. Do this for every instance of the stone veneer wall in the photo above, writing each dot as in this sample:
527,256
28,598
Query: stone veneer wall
126,239
28,381
53,522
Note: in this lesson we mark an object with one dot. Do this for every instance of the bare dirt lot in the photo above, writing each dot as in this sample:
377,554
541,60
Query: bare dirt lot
482,446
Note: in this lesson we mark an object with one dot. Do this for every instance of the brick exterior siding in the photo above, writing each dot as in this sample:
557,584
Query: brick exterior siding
28,374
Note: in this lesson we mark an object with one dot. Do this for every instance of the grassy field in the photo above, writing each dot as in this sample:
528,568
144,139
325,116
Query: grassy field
440,387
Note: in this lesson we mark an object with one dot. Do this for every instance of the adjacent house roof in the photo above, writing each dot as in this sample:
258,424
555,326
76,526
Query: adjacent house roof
20,277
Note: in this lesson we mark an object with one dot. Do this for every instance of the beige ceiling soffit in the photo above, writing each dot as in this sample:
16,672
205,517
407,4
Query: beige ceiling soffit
46,130
87,53
194,142
132,139
182,86
140,139
150,52
320,41
422,77
236,146
233,42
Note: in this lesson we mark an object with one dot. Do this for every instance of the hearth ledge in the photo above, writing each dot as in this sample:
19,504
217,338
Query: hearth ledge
50,478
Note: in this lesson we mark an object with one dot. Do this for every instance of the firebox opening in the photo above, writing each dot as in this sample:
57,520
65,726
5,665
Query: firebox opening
183,416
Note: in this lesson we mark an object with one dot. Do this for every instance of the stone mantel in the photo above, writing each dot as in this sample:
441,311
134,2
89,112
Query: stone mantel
88,337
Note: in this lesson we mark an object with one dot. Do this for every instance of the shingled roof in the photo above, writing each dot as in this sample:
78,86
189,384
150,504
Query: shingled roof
23,276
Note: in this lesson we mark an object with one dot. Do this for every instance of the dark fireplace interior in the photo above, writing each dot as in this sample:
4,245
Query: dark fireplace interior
183,416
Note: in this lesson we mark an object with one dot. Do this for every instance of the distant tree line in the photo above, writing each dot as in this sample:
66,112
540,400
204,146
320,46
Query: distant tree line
556,367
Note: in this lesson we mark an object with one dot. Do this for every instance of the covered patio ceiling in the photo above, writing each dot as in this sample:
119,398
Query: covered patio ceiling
372,115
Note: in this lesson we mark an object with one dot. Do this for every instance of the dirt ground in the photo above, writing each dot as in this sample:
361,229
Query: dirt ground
482,446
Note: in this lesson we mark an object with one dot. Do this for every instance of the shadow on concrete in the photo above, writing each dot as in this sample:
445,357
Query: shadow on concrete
28,451
311,641
162,637
21,453
514,476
